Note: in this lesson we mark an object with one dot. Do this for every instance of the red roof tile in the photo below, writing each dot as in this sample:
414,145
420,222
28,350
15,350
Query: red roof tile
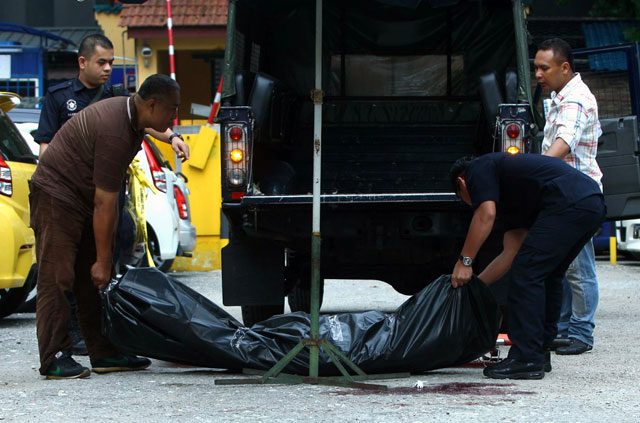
153,13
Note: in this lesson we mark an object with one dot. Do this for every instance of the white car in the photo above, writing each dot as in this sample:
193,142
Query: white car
628,236
171,210
26,120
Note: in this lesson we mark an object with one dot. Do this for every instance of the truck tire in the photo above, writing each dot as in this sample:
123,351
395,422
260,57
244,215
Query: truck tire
299,297
252,314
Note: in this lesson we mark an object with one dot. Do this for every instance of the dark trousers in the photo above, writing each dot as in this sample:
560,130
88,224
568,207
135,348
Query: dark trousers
535,290
74,326
65,251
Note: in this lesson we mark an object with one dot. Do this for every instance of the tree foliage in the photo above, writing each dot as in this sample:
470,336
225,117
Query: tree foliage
616,8
629,9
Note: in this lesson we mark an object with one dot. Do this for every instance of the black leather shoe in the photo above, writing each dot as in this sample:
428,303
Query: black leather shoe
559,343
510,368
574,348
547,361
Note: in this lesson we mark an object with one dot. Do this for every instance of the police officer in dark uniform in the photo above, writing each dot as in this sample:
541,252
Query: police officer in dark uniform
66,99
549,210
63,101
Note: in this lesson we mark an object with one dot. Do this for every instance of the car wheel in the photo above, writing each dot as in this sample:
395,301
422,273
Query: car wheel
11,299
29,304
252,314
154,248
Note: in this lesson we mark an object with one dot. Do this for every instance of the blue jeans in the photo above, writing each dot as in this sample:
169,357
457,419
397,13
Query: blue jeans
580,297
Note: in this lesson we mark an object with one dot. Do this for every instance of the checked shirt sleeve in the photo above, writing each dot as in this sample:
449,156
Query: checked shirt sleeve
570,123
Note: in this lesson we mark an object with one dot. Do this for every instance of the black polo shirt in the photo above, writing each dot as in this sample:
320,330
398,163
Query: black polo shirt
525,184
62,102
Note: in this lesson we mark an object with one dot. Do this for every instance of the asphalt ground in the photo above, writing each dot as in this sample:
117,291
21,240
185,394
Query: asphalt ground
594,387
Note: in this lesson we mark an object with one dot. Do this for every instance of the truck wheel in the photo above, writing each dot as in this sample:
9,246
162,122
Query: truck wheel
252,314
300,296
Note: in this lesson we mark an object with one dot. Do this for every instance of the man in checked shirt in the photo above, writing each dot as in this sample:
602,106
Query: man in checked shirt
571,133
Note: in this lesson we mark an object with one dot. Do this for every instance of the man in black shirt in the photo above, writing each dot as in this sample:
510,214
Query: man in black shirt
548,210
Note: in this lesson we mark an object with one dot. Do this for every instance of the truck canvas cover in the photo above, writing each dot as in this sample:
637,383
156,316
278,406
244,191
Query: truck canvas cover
418,36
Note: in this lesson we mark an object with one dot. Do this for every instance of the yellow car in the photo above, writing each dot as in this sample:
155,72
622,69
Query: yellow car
17,251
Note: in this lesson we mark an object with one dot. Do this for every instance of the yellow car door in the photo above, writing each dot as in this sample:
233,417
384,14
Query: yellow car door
17,254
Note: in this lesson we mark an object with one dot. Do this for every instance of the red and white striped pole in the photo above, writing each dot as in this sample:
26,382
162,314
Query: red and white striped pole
216,104
172,60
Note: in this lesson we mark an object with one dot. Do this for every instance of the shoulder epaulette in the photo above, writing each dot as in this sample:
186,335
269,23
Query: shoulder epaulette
58,87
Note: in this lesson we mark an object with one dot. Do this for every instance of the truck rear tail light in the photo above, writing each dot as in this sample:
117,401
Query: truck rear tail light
157,174
6,182
513,130
236,177
181,203
236,148
236,155
512,140
236,133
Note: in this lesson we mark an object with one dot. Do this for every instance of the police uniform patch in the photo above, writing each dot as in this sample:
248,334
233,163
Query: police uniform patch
71,105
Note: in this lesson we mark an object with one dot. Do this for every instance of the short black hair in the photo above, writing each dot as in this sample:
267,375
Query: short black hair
89,43
562,51
458,169
157,86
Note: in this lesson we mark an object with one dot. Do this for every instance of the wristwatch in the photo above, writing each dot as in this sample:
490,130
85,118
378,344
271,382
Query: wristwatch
466,261
174,134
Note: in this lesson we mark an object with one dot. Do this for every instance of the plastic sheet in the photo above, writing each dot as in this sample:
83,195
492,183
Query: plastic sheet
149,314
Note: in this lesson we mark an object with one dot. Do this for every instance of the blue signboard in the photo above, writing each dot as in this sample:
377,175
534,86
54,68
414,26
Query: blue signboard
125,75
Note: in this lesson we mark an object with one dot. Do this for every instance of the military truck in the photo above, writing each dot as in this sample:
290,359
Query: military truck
613,75
409,86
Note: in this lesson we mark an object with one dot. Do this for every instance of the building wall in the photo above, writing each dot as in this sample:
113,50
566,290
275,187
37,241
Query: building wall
194,75
159,46
123,46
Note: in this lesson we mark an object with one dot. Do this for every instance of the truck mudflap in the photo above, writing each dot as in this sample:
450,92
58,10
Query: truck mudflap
149,314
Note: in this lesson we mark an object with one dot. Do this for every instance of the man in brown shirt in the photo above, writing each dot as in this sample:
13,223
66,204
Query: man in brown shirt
74,204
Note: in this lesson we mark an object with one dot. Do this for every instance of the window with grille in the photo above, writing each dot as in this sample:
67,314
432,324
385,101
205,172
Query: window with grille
24,87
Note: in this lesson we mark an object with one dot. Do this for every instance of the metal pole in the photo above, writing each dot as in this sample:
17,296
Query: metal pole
172,69
317,160
124,60
613,242
172,62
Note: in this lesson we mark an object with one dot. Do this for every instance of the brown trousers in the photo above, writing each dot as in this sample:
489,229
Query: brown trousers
65,251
